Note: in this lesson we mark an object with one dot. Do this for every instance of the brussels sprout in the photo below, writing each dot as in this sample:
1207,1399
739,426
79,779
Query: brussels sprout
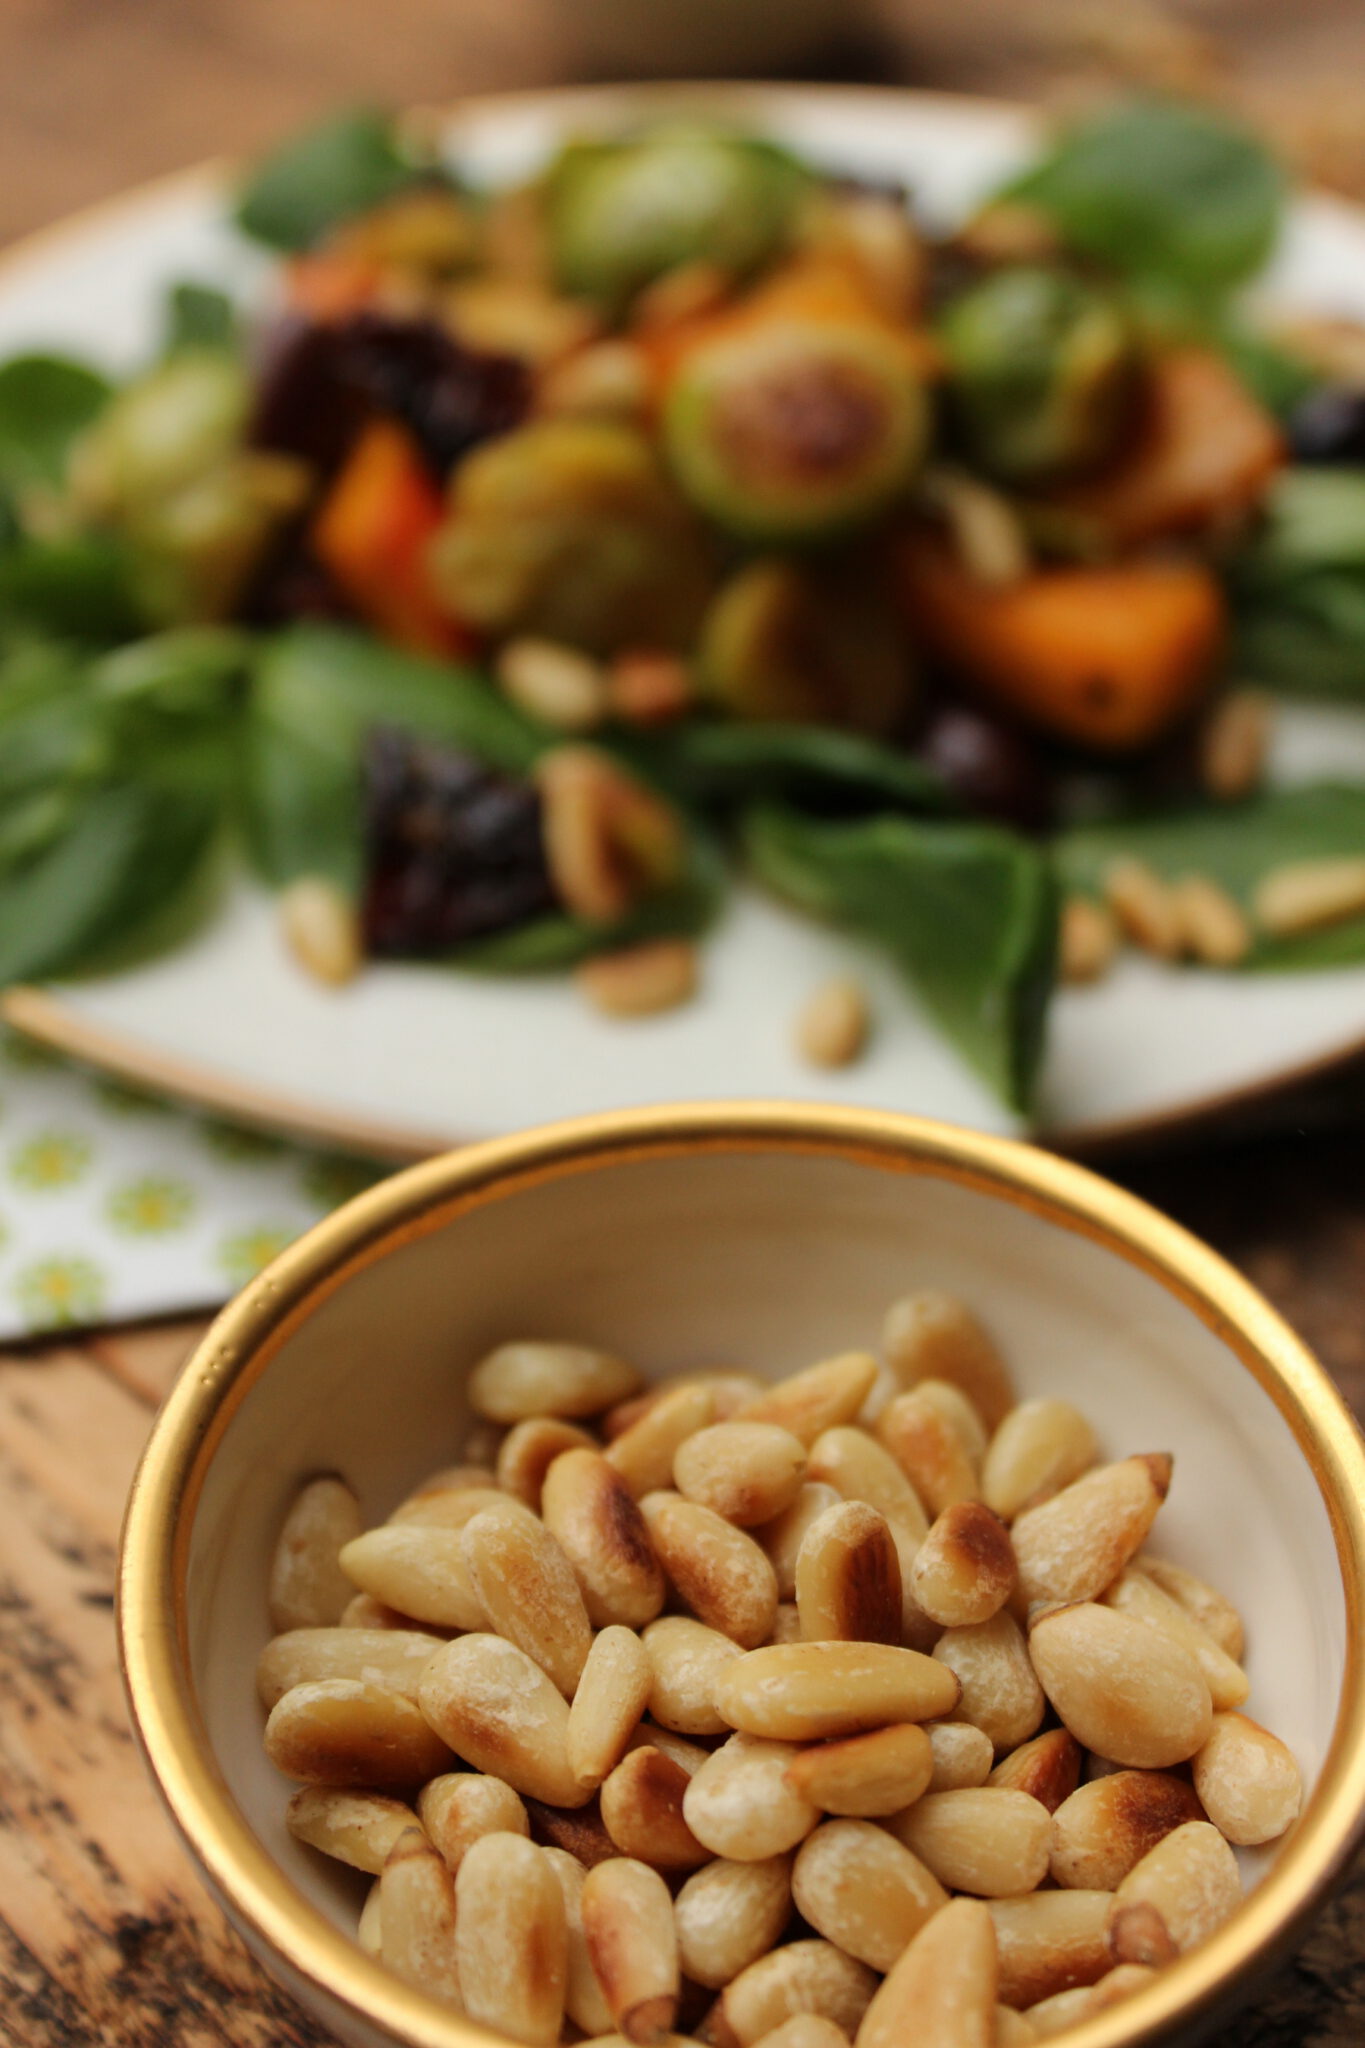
193,550
622,213
796,430
1041,373
570,529
806,645
161,432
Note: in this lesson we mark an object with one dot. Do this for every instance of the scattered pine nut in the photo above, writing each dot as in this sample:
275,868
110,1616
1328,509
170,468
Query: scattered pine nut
832,1028
1234,743
1305,895
640,981
647,686
607,380
553,683
1144,906
1089,941
322,930
1214,927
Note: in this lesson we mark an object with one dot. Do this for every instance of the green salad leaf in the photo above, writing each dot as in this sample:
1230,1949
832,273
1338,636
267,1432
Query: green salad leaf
45,402
198,316
350,162
967,911
77,587
1298,589
561,941
717,764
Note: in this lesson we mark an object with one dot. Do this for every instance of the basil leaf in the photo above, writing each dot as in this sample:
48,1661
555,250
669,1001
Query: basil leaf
716,766
80,588
199,316
351,162
1298,590
45,401
968,911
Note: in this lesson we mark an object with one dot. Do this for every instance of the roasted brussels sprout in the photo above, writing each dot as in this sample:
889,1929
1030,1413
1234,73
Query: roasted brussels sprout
622,213
571,530
161,432
794,430
1041,373
806,644
193,551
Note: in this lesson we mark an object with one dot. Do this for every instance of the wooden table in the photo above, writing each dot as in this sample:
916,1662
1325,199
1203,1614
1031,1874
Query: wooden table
105,1936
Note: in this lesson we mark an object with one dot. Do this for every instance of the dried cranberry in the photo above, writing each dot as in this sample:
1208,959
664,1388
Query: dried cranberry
450,397
993,769
308,402
454,849
1329,425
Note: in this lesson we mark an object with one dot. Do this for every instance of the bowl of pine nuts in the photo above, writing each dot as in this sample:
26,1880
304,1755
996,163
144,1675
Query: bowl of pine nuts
759,1575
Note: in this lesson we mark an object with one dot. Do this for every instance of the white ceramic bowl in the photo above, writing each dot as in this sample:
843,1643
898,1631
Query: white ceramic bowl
767,1236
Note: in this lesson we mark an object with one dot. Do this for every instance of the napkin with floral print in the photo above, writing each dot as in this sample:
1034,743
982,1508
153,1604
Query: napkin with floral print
115,1206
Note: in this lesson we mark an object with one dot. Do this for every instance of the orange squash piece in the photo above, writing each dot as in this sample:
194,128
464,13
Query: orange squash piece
372,533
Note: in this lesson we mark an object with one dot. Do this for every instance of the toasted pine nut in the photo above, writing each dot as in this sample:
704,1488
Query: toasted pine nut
740,1806
1107,1826
308,1588
583,2000
1138,1934
321,929
1133,1593
647,686
526,1587
820,1398
962,1754
802,1692
684,1659
342,1731
863,1890
805,2030
729,1914
784,1535
419,1570
1048,1768
643,1454
1050,1941
745,1471
458,1808
934,1336
362,1610
1213,925
530,1448
1040,1447
500,1712
1248,1780
1161,1712
1209,1608
928,1450
453,1507
1144,906
608,839
1302,896
417,1918
642,1811
860,1468
1064,2009
833,1023
1190,1878
987,1841
865,1777
640,981
607,380
358,1828
848,1577
628,1927
370,1926
554,683
612,1693
984,529
381,1656
729,1390
1233,744
805,1976
964,1572
689,1756
1089,941
511,1939
521,1380
715,1569
589,1511
941,1991
1072,1546
1000,1690
958,1412
686,292
453,1478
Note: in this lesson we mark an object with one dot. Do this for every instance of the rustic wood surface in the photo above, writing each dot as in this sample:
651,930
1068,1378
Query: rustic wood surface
105,1936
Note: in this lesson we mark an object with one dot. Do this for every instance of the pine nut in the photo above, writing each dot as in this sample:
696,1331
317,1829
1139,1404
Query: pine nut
928,1450
958,1412
962,1754
1050,1941
685,1658
860,1468
1303,896
1138,1934
646,686
643,1811
643,1454
528,1451
527,1589
984,529
848,1577
805,1976
553,683
1210,1609
448,1507
459,1808
608,839
941,1992
1048,1768
612,1693
783,1536
628,1927
341,1731
729,1914
1108,1826
370,1926
511,1939
499,1711
607,380
746,1472
715,1569
934,1336
421,1571
592,1516
863,1890
1190,1878
417,1918
1248,1781
1144,906
453,1478
1213,925
988,1841
1126,1691
865,1777
583,1999
1134,1594
1039,1448
964,1572
363,1611
1088,942
640,981
518,1381
321,930
308,1588
358,1828
1001,1694
833,1023
1074,1545
820,1398
802,1692
689,1756
805,2030
389,1656
1234,743
730,1391
740,1806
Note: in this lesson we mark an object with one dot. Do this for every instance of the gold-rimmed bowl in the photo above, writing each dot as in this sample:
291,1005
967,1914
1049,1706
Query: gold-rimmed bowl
766,1235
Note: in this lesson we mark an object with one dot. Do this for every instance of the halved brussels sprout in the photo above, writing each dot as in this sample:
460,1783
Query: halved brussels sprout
1042,370
161,432
570,529
194,549
796,430
622,213
806,644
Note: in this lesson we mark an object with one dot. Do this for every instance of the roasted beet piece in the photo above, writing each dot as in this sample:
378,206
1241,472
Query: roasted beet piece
454,849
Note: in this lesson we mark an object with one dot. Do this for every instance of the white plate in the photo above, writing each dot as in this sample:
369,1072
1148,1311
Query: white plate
411,1058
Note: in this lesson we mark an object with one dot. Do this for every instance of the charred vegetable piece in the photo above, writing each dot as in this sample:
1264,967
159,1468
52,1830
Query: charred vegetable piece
813,645
622,213
570,530
1042,373
371,535
796,431
454,849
